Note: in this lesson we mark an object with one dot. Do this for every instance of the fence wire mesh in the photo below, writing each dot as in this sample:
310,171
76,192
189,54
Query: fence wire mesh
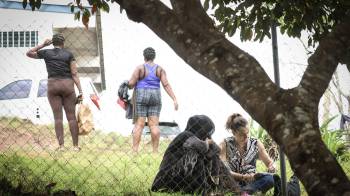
105,165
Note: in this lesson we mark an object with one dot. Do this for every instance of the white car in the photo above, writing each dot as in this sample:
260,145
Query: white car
168,130
27,99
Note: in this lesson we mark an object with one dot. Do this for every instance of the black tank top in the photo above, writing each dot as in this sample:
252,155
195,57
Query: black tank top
57,62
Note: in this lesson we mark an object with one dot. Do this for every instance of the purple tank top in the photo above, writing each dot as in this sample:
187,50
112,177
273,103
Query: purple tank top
151,80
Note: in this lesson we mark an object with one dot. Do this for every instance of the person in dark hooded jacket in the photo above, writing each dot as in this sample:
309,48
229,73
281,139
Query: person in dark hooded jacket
191,163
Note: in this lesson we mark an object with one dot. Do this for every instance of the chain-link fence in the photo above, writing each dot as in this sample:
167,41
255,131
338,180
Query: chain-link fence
30,154
31,160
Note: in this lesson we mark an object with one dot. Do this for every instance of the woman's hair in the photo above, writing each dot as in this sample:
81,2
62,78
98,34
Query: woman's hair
149,53
57,39
235,122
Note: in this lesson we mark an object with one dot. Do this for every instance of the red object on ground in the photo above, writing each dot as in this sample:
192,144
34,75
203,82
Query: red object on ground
121,103
94,98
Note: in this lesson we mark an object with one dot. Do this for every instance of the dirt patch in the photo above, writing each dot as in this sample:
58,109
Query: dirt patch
20,134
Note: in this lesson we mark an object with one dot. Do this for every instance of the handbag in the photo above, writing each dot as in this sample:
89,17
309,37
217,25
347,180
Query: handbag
85,119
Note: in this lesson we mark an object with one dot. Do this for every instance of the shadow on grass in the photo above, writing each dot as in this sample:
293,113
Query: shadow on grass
6,188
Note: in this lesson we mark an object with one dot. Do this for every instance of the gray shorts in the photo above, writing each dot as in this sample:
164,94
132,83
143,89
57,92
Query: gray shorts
148,102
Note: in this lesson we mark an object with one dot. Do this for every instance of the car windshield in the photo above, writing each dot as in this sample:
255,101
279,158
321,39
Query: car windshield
16,90
42,90
166,129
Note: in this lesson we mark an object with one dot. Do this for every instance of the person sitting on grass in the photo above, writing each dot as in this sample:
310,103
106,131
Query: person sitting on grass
191,163
240,153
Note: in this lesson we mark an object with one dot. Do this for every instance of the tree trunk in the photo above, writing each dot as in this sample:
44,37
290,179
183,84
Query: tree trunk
289,116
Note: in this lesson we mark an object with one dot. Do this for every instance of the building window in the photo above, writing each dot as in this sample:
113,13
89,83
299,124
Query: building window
4,39
19,39
36,38
15,39
32,39
27,39
10,41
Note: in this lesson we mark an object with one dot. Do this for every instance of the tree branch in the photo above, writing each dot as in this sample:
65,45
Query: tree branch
322,64
340,91
191,10
336,101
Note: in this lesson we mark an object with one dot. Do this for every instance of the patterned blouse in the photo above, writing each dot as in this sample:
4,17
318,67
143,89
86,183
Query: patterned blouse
245,163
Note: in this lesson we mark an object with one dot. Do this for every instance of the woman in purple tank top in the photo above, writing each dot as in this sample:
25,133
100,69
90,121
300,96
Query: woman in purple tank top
146,80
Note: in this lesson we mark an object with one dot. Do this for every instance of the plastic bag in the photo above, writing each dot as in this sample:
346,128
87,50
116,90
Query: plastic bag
85,119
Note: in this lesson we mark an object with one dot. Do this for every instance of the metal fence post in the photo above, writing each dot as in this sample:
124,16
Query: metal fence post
277,81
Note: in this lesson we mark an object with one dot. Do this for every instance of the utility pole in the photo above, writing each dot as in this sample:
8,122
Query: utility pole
277,81
100,49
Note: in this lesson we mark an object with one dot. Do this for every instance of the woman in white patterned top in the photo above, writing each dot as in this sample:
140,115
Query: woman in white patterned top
240,153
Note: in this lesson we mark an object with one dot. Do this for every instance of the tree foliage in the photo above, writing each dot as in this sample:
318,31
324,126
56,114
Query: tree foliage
82,12
255,17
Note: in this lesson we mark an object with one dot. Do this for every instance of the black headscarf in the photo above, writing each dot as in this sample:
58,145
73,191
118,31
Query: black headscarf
201,126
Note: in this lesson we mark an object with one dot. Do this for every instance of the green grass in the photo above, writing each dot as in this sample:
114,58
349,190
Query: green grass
104,166
87,174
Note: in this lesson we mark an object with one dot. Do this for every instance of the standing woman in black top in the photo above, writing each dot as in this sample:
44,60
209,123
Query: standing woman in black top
62,75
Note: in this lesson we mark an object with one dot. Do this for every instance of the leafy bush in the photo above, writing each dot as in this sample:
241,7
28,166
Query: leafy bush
261,134
333,139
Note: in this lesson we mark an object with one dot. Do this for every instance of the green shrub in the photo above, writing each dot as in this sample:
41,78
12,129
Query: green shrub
333,139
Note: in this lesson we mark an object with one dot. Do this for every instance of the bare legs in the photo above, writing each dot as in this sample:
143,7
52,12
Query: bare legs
155,133
137,132
153,122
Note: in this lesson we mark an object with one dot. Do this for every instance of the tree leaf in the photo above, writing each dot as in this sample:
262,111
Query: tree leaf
105,6
232,31
283,29
77,15
309,42
86,17
38,4
206,5
214,2
85,21
93,9
24,4
32,4
249,33
257,36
